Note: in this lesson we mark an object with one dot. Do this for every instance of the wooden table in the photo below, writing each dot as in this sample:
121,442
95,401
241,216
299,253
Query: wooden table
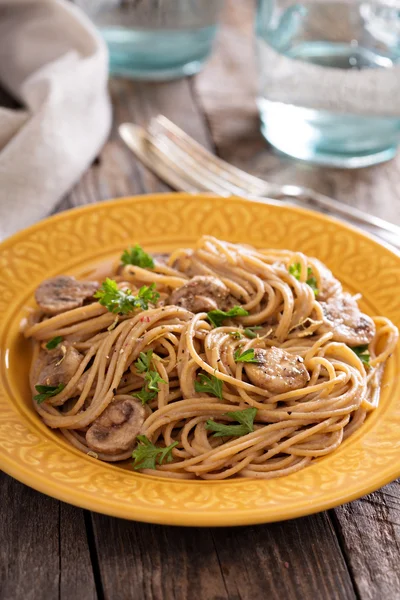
51,550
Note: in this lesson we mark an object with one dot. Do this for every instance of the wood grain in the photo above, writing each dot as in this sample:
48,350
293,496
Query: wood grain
369,530
76,578
27,519
43,547
294,560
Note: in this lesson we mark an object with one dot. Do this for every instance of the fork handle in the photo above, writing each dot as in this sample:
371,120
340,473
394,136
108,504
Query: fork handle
309,198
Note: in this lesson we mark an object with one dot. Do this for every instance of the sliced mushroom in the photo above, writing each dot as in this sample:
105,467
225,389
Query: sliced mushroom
277,371
59,294
59,365
116,429
344,319
201,293
328,285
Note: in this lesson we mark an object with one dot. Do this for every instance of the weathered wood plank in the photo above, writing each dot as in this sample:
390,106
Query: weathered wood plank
370,533
150,562
43,548
77,579
294,560
29,548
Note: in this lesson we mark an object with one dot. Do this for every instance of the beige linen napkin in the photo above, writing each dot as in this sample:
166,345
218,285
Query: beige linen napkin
52,60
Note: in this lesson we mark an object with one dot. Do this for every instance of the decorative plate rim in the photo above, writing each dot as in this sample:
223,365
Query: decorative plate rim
31,456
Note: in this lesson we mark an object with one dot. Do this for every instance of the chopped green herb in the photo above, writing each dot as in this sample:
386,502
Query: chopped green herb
143,363
145,395
362,353
236,335
244,417
47,391
311,280
138,257
54,342
210,385
147,454
146,295
216,317
153,379
247,356
123,301
249,331
295,270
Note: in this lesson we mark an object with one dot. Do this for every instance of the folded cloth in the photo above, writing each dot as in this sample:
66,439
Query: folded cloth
55,63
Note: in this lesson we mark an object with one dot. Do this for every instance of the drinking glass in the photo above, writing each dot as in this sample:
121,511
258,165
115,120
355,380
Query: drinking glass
329,79
155,39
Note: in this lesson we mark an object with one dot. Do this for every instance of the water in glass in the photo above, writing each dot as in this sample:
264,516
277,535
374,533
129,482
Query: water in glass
329,79
155,39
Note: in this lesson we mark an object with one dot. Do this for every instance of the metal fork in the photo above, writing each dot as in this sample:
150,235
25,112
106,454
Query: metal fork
186,165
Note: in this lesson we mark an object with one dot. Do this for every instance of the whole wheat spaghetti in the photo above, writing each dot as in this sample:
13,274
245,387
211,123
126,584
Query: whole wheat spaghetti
216,362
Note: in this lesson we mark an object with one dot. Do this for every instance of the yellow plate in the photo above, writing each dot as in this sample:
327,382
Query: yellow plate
71,242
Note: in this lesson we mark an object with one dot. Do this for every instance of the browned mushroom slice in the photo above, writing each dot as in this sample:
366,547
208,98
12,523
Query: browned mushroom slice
116,429
57,366
277,371
59,294
202,293
344,319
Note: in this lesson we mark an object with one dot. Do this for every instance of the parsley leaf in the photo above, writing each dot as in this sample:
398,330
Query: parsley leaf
146,295
295,270
210,385
143,363
362,353
146,454
311,280
123,301
47,391
138,257
54,342
247,356
145,395
153,379
244,417
216,317
249,331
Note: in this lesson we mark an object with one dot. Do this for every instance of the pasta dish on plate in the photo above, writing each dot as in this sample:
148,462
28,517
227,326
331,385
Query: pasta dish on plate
214,362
